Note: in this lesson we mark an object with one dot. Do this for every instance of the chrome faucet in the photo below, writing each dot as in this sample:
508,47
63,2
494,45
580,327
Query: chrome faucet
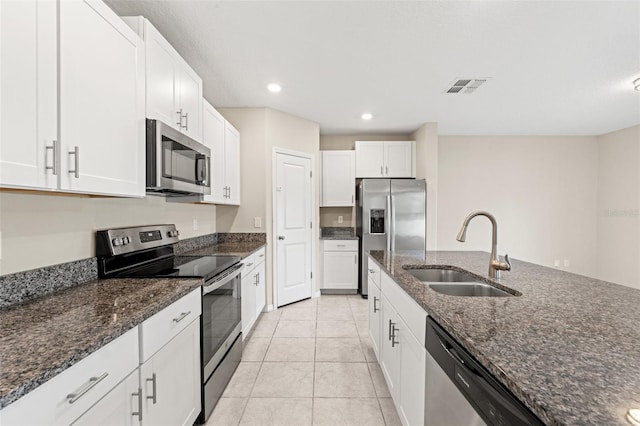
495,264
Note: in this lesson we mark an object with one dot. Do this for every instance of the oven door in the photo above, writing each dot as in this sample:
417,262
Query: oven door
221,318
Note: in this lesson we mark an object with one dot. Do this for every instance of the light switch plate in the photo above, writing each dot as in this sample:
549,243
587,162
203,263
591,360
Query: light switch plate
257,222
195,224
340,219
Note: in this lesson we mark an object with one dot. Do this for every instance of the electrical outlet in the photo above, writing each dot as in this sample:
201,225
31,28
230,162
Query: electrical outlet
195,224
556,263
257,222
340,219
566,263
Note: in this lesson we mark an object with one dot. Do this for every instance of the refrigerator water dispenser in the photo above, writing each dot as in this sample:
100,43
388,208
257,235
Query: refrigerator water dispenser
376,224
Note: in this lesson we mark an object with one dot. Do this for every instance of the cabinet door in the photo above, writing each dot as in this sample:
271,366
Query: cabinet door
412,376
102,119
338,178
170,381
261,295
369,159
161,72
389,353
398,159
375,317
232,163
190,96
340,270
117,407
28,83
248,302
213,138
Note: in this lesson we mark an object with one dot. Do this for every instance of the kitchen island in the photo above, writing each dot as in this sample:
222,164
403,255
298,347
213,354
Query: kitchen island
566,345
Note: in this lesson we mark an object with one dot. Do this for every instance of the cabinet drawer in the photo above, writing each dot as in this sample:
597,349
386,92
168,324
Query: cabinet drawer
373,271
166,324
84,383
340,245
413,315
254,259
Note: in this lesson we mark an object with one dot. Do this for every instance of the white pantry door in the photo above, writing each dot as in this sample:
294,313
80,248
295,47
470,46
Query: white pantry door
293,228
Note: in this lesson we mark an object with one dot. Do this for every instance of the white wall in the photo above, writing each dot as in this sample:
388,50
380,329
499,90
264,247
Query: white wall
41,229
619,207
427,165
542,190
262,129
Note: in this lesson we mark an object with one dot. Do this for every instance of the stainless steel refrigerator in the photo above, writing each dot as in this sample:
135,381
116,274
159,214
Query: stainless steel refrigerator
391,215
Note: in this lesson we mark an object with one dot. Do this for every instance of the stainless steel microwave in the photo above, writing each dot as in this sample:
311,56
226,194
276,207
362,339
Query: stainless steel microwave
176,164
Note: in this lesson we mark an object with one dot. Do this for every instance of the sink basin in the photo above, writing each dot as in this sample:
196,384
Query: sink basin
441,275
468,289
456,283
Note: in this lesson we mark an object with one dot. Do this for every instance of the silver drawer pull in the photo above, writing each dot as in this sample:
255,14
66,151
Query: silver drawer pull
262,255
73,397
371,271
153,384
375,308
249,264
340,245
139,412
181,316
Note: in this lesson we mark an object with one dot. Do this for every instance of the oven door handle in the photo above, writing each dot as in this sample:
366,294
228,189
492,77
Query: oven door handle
233,273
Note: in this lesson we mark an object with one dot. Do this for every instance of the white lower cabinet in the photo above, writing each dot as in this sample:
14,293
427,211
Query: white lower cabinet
170,381
253,290
124,384
397,328
119,407
340,265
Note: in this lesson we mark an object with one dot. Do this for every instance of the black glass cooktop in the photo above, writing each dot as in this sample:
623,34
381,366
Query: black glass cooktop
183,266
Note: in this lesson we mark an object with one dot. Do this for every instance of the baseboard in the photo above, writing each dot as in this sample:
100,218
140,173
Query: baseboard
316,294
269,308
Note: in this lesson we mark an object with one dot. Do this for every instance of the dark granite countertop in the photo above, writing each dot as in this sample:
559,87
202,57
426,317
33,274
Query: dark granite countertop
568,347
242,249
336,233
41,338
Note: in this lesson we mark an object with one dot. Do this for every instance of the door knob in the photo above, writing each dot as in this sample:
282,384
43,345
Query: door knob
281,237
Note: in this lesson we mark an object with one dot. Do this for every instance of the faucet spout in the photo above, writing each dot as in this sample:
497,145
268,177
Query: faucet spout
495,265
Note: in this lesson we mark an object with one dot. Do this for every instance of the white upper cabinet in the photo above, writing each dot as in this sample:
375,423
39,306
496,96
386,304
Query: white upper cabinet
81,130
28,84
101,102
174,90
338,178
385,159
224,142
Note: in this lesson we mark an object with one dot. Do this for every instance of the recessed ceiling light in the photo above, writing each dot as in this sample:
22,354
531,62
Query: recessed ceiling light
636,84
274,88
366,116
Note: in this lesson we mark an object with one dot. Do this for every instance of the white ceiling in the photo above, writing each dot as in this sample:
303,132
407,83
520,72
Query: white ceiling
556,68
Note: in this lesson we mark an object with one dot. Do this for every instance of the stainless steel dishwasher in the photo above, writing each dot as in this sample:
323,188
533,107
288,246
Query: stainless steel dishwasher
461,392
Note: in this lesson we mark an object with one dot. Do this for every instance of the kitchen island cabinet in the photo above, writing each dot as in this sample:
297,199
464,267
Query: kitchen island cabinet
563,344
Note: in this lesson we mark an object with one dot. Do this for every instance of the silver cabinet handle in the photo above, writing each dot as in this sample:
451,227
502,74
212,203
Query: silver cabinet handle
386,170
375,308
352,199
186,121
281,237
139,412
54,149
390,327
93,381
371,271
229,192
248,264
179,123
76,154
381,170
394,330
181,317
262,255
255,280
340,245
153,388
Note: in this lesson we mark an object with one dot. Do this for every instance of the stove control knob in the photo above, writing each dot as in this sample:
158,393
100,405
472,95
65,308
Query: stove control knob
117,242
125,240
173,233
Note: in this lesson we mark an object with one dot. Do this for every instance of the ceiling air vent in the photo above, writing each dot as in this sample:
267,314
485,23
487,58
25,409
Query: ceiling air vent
466,85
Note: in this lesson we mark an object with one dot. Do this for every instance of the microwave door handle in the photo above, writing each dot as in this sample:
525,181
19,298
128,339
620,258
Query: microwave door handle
201,168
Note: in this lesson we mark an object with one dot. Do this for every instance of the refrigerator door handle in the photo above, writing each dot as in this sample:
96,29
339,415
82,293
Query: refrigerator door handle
392,225
387,223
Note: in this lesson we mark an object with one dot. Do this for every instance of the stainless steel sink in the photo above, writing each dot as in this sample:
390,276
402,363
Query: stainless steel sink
456,283
468,289
441,275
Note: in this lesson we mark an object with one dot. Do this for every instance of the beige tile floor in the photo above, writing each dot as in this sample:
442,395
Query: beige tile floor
308,363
